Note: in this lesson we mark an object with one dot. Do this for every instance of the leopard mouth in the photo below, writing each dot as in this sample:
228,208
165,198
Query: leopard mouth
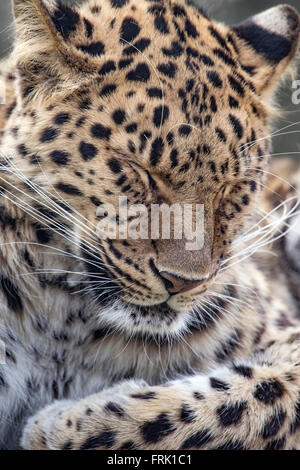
160,320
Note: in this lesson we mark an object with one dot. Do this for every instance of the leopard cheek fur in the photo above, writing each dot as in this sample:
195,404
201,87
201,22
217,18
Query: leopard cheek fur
156,102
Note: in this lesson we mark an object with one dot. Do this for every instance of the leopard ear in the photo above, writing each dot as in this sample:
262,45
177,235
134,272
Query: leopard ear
267,43
42,16
47,60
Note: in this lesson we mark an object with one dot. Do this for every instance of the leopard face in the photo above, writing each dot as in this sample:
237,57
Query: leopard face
156,103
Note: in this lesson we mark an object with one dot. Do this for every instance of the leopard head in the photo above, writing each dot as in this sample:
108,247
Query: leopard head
129,102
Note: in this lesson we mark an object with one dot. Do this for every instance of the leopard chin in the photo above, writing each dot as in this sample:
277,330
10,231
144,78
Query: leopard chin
159,323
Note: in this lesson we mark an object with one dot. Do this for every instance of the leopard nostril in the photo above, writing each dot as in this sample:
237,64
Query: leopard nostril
176,284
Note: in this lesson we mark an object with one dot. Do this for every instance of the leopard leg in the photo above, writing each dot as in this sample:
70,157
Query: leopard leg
252,404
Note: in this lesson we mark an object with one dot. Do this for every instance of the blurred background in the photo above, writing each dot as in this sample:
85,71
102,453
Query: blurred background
231,12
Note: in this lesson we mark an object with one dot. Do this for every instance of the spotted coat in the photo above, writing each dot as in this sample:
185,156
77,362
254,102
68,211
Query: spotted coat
142,344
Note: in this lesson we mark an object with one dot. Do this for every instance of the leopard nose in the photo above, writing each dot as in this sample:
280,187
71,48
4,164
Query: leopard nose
176,284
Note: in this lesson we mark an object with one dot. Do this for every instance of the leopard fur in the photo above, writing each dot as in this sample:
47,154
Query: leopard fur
154,101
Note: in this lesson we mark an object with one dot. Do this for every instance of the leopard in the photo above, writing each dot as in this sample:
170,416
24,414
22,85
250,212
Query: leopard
123,343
